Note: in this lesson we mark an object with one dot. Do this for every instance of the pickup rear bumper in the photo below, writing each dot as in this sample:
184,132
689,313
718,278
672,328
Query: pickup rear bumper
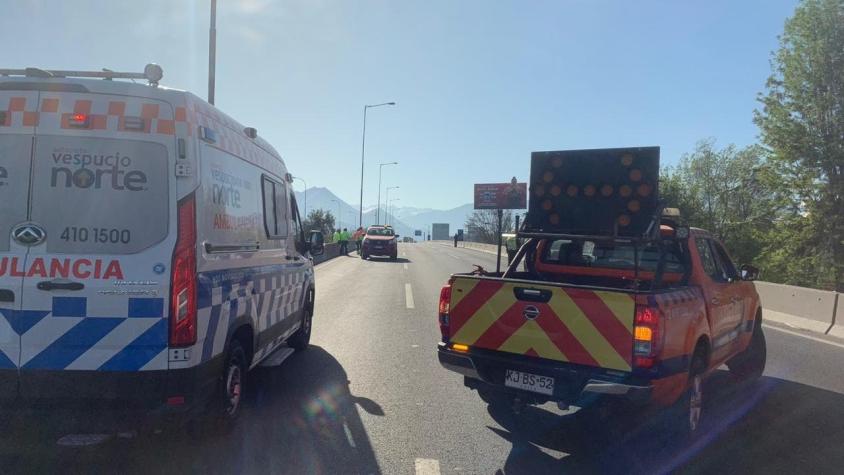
573,384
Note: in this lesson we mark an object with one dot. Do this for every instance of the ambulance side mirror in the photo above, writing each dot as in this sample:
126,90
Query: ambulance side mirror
316,243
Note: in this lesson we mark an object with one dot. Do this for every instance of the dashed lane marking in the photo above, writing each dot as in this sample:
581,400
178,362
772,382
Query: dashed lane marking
408,295
405,266
427,467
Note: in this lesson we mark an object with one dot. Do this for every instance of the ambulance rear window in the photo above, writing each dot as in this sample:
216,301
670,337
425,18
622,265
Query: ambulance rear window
100,196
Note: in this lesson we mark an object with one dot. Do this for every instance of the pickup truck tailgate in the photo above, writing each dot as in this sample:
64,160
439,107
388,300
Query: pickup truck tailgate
574,325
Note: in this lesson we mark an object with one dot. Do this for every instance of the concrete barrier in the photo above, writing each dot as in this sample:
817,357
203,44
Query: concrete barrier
478,246
801,307
332,250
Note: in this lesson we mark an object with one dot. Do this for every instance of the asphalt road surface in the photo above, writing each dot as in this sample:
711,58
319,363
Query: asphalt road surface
370,397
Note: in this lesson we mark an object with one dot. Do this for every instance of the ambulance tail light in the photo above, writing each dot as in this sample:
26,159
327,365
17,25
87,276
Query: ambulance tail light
648,333
183,288
445,303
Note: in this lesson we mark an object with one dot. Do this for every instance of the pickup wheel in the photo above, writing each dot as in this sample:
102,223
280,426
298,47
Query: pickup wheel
692,401
750,363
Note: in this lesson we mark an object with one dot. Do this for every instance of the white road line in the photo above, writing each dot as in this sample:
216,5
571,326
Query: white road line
427,467
349,435
819,340
405,266
408,295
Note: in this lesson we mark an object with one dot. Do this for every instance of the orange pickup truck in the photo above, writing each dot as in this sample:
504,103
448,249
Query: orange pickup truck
639,309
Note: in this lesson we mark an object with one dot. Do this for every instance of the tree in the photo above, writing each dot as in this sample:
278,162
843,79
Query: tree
482,225
727,191
802,124
320,220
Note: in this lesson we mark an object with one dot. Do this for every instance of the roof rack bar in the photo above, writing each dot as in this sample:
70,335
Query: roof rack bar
152,73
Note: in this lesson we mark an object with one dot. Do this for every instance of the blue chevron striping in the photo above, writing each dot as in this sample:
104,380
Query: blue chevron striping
22,320
214,319
138,353
76,341
5,362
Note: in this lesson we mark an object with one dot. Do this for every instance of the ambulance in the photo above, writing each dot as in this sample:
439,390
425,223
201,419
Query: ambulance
151,248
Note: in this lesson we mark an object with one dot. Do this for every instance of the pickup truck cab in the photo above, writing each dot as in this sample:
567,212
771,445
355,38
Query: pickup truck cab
582,320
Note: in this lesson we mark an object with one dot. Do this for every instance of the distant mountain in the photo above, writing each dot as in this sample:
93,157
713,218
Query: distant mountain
323,198
405,219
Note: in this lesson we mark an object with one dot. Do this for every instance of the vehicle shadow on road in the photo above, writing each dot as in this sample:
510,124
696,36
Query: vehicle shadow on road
772,425
298,418
400,260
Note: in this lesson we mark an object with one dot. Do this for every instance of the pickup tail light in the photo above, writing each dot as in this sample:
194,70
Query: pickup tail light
445,303
648,333
183,279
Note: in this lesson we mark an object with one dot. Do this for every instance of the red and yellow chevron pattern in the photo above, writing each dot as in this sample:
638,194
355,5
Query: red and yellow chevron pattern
579,326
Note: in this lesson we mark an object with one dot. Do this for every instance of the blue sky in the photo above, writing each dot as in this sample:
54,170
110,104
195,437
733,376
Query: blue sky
479,84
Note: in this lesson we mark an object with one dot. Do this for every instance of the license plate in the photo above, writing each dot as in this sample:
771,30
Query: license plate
529,382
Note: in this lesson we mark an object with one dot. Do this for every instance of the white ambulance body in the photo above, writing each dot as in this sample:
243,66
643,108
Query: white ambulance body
151,249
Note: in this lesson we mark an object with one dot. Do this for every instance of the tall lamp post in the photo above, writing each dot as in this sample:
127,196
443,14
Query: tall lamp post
378,211
305,193
388,200
363,154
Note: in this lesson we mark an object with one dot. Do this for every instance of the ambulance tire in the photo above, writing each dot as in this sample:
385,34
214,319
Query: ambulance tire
225,407
750,363
299,341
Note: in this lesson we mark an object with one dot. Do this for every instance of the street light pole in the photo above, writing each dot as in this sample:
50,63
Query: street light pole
363,154
387,200
212,51
378,211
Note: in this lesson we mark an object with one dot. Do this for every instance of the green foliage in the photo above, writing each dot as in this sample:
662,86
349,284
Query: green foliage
320,220
727,192
802,124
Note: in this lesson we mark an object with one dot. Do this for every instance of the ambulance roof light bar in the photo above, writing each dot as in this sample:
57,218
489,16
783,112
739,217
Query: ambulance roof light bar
152,73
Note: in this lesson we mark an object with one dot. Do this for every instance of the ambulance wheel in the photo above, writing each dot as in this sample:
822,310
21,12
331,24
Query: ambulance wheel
300,340
221,416
750,363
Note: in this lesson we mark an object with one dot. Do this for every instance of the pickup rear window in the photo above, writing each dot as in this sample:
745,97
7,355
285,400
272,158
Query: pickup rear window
584,253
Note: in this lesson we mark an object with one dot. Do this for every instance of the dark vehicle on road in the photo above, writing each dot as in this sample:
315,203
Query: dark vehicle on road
380,241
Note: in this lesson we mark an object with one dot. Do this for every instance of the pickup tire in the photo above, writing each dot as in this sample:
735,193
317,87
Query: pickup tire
690,406
750,363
